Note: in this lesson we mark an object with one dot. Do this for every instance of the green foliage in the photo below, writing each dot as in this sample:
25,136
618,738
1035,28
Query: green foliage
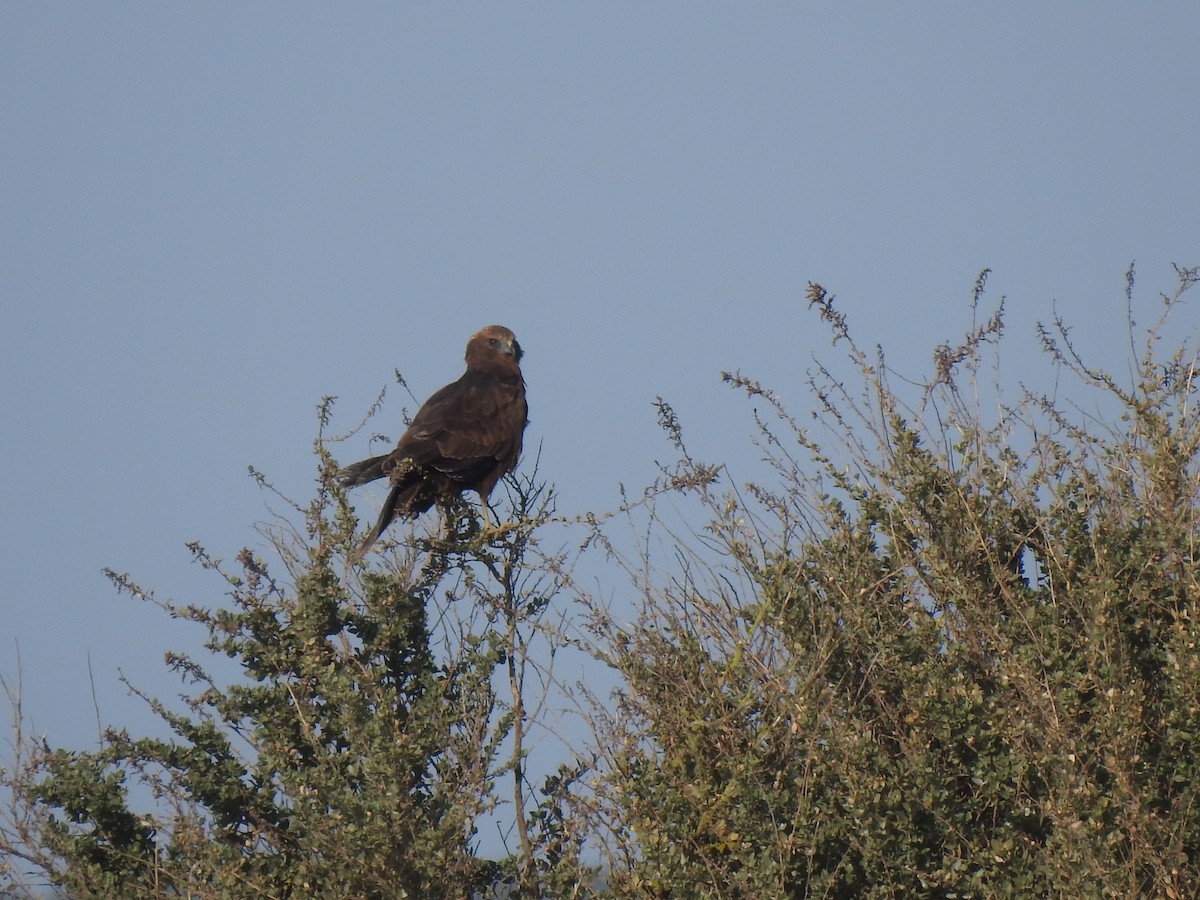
354,758
949,649
942,656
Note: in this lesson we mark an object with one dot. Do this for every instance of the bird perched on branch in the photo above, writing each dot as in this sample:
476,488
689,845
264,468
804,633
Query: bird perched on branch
467,436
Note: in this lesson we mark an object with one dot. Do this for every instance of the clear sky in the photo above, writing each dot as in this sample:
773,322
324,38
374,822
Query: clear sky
211,215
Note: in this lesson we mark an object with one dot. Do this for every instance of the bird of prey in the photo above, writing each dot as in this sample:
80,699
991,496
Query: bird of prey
467,436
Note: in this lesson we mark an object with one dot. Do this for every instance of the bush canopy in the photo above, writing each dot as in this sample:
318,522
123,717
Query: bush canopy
945,646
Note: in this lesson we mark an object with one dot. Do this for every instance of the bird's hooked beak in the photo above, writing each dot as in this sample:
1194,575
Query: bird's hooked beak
512,348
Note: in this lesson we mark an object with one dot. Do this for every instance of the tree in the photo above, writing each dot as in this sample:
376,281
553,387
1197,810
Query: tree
946,653
357,755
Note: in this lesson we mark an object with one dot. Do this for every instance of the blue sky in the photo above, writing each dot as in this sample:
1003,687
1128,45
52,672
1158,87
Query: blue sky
215,214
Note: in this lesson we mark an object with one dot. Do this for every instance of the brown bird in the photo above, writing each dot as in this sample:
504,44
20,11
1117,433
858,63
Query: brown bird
467,436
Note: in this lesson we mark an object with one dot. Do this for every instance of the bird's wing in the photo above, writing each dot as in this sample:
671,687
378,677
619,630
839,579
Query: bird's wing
464,423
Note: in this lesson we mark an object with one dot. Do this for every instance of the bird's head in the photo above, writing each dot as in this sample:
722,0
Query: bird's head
494,344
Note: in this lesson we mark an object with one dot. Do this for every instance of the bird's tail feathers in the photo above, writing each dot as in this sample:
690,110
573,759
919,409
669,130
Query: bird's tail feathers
361,472
406,499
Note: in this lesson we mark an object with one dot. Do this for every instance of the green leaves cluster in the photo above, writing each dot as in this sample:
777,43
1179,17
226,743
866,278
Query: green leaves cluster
940,656
354,758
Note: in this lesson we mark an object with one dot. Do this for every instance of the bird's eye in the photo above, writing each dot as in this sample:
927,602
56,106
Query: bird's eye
493,341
